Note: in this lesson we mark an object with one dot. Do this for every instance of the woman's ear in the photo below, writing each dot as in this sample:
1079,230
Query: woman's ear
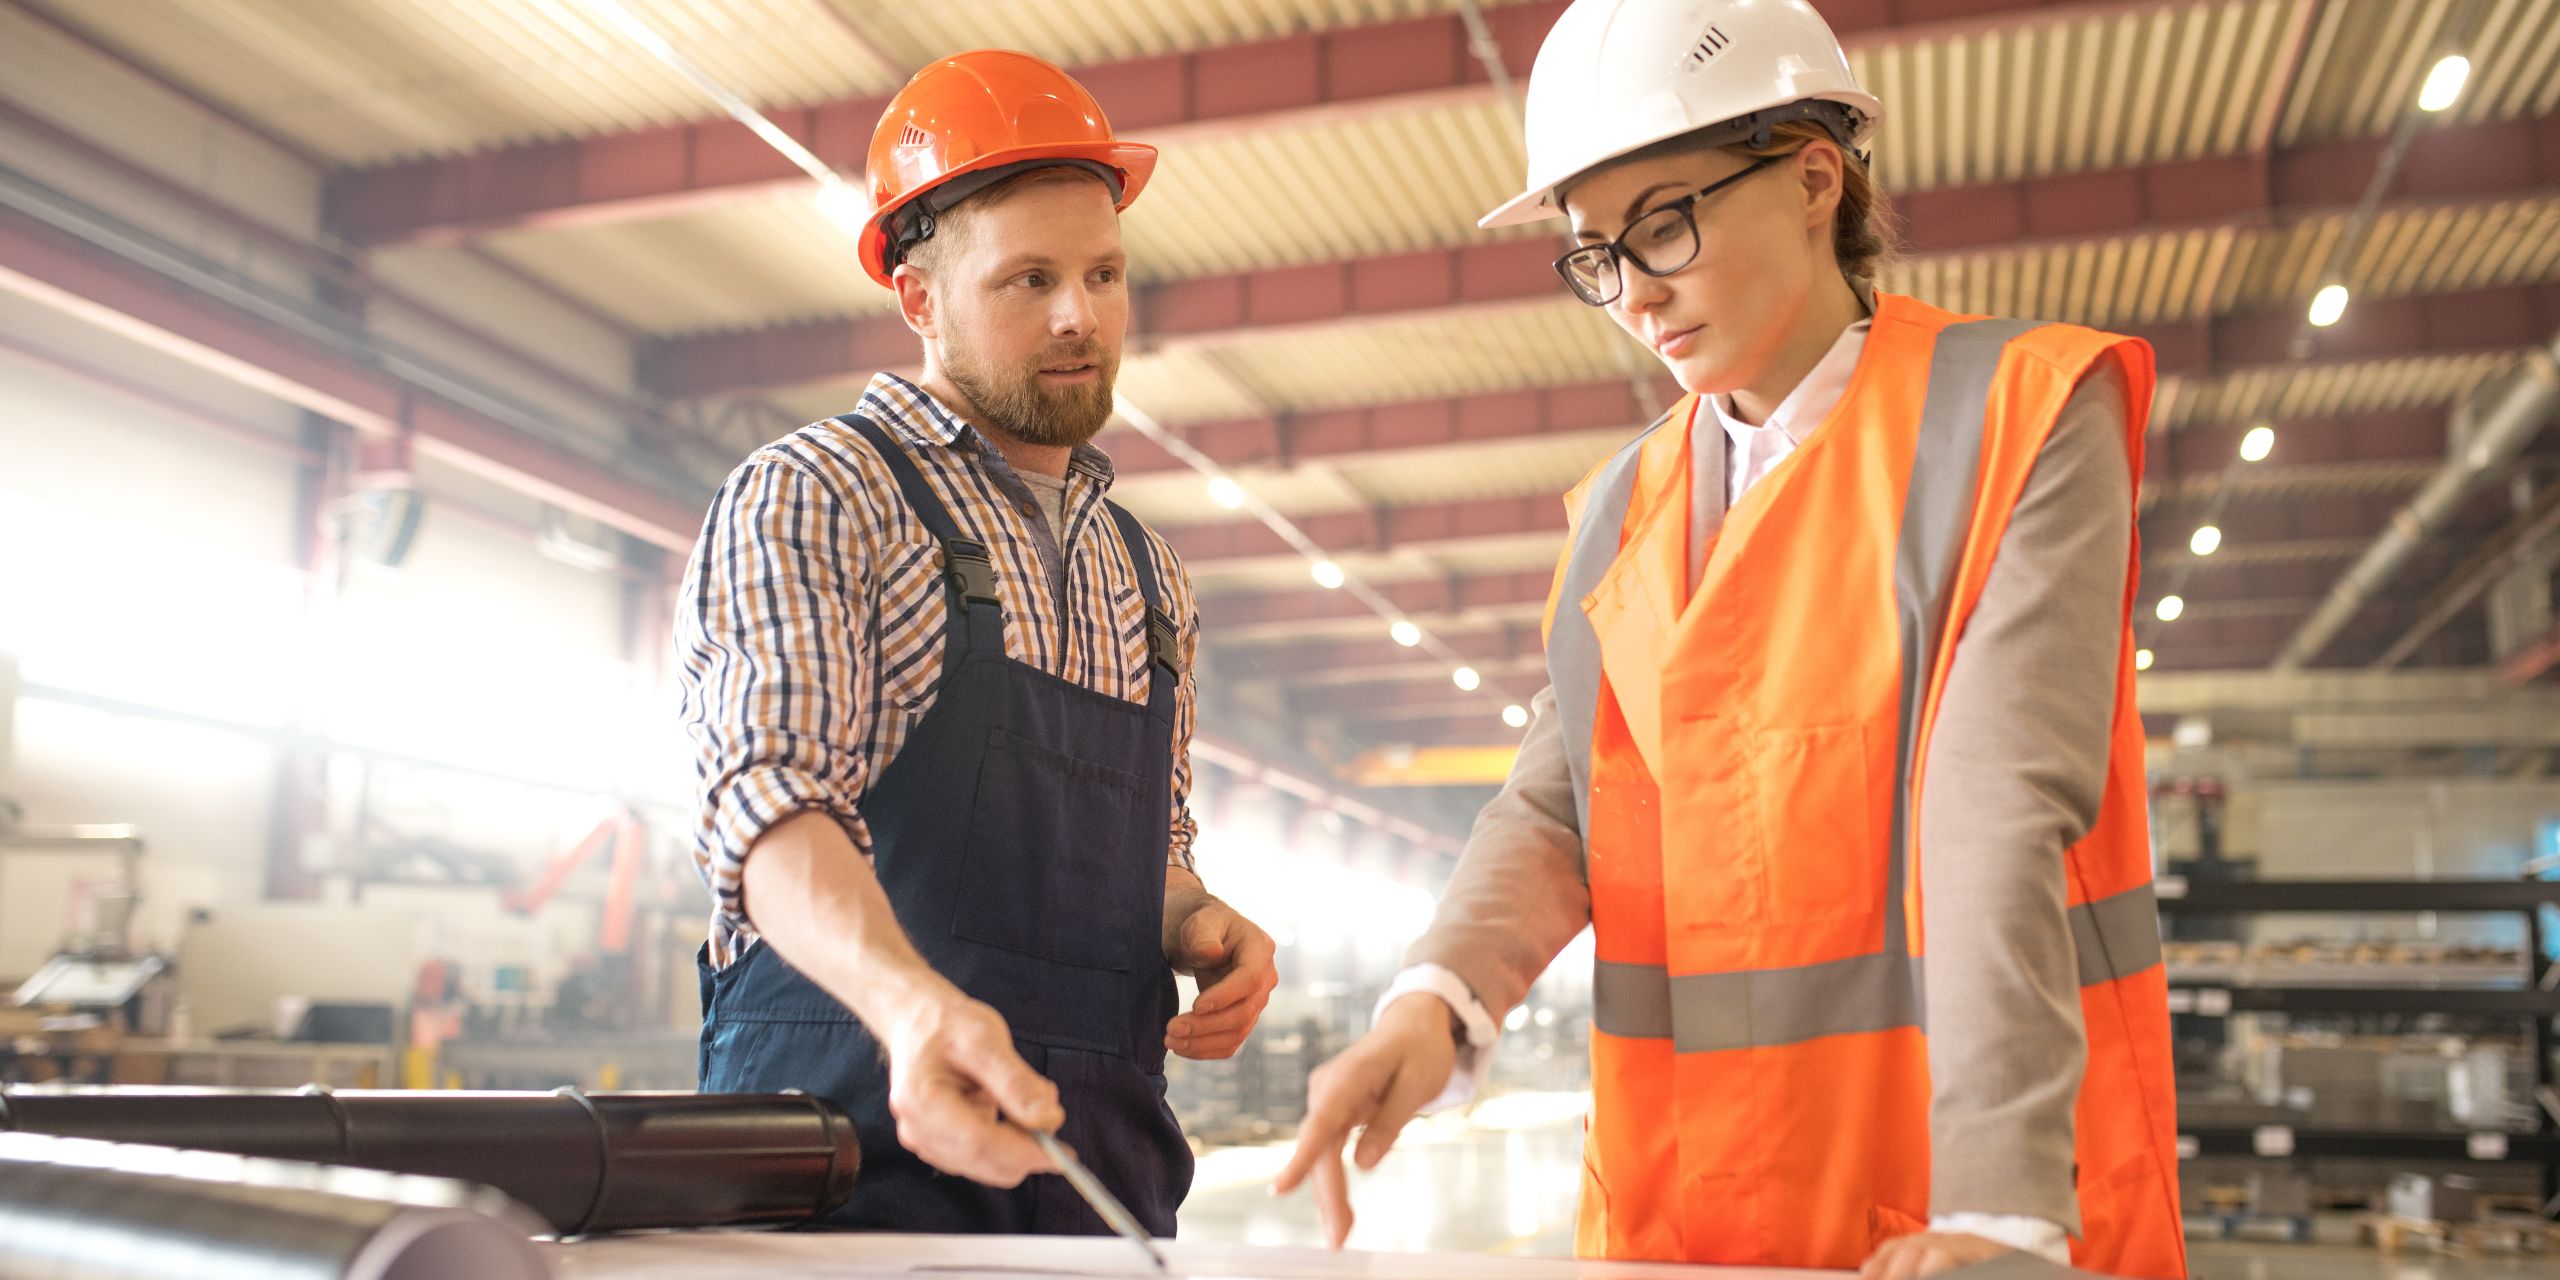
1820,177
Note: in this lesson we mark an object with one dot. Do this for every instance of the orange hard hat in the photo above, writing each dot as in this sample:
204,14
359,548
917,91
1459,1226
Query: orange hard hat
973,114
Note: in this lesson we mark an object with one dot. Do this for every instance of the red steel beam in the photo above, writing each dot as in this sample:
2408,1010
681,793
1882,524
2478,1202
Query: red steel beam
1528,413
1384,529
1422,600
1227,91
60,272
2477,320
2409,434
1423,424
1336,434
2246,191
2530,662
1399,699
1298,661
1443,731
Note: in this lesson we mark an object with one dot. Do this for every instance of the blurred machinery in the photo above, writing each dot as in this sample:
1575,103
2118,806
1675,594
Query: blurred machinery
2351,1061
98,987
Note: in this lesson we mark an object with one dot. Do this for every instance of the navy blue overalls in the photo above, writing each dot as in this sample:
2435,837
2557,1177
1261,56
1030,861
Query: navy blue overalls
1021,836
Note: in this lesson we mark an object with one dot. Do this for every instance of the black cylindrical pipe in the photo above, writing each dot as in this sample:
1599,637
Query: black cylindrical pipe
586,1163
82,1210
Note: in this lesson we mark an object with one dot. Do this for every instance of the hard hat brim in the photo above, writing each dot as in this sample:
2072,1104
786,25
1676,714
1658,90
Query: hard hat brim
1136,162
1539,203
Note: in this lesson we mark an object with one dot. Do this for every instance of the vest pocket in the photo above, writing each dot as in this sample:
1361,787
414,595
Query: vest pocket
1048,870
1820,855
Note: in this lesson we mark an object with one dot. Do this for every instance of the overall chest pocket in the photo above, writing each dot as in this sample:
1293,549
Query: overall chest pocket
1053,868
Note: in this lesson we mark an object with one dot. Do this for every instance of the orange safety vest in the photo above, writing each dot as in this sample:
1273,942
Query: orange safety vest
1747,760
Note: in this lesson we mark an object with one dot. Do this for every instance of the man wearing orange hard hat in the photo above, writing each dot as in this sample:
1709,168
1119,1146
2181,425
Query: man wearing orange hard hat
940,689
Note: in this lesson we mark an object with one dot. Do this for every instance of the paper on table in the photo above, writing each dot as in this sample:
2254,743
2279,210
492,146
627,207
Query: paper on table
748,1255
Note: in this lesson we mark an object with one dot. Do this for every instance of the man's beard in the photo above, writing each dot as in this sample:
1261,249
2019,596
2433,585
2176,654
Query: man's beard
1014,401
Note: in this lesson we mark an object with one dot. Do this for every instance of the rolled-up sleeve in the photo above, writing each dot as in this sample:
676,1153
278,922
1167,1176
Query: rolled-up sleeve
771,627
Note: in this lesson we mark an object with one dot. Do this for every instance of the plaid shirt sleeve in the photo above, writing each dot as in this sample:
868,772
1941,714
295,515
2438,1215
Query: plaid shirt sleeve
1186,705
773,606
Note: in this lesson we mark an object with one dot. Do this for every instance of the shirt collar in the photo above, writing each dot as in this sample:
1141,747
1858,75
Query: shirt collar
921,420
1819,392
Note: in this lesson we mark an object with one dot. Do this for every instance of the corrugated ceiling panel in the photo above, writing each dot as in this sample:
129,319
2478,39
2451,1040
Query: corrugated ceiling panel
365,83
2328,479
1379,184
2434,250
1173,499
2128,280
1518,555
1525,468
743,265
2369,57
2379,386
1184,385
2236,555
1489,350
2127,86
917,30
1531,554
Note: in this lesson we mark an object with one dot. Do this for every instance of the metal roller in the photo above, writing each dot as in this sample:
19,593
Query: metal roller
585,1163
77,1209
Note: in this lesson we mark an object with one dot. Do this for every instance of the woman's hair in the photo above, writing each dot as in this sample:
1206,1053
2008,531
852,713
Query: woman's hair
1862,230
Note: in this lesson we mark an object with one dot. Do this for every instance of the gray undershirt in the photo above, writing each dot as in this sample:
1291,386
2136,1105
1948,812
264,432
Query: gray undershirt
1051,493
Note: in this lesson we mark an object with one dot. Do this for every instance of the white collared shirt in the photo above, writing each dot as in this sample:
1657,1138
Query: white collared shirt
1756,451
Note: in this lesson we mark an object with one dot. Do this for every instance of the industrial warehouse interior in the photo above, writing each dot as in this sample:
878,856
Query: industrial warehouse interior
474,471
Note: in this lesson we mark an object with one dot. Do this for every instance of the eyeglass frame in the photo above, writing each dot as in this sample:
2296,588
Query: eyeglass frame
1620,255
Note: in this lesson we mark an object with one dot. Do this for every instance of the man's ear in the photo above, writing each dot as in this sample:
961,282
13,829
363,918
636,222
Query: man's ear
915,300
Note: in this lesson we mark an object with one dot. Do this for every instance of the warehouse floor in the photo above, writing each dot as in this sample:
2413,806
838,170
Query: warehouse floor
1520,1153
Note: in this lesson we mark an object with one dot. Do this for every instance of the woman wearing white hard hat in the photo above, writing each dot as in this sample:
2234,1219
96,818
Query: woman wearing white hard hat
1840,761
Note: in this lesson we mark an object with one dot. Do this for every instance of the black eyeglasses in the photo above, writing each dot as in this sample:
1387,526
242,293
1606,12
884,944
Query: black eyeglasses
1659,243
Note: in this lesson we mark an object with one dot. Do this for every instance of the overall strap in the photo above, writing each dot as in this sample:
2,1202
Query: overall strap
968,570
1164,637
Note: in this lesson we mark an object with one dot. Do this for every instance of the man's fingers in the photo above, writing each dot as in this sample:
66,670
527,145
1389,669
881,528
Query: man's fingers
1252,976
1212,1050
1195,1024
1026,1097
1223,990
949,1132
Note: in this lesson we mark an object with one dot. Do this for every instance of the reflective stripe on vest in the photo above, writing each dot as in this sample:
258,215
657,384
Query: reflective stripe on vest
1710,1012
1707,1012
1573,646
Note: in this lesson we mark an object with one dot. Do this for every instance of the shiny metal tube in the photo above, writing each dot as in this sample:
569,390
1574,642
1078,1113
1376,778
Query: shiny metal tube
585,1163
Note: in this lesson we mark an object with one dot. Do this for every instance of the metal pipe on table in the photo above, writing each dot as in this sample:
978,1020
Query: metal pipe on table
585,1163
85,1210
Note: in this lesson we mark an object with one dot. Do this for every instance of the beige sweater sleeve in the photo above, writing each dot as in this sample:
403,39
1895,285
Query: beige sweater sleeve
2014,774
1517,896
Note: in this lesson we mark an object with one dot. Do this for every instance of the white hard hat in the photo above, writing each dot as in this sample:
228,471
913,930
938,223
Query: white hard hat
1617,76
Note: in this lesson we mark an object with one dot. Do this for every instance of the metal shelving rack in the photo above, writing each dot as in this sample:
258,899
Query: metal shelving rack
2538,1000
